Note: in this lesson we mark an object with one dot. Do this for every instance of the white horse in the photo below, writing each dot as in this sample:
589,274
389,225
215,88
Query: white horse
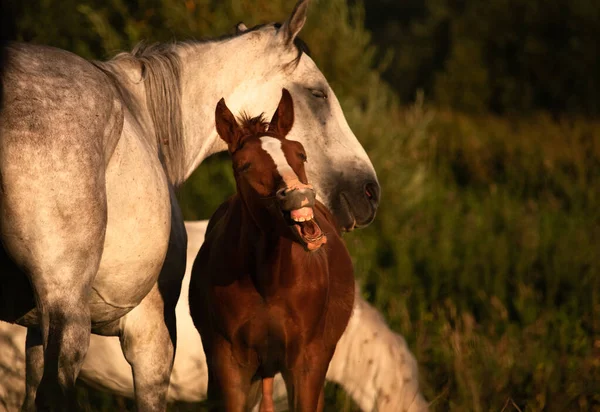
371,363
90,153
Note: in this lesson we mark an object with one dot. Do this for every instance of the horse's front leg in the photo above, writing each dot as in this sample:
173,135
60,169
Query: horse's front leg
148,339
305,380
266,402
229,383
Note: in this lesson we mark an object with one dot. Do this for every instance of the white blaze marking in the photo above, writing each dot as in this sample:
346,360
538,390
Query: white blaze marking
272,146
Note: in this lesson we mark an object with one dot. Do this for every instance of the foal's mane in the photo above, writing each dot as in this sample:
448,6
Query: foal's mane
253,126
257,126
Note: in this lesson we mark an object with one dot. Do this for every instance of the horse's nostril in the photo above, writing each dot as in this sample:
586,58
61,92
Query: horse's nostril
372,192
281,193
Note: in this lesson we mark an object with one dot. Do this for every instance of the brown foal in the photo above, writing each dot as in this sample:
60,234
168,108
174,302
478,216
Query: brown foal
272,287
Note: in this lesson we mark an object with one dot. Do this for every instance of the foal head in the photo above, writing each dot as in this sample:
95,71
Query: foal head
269,172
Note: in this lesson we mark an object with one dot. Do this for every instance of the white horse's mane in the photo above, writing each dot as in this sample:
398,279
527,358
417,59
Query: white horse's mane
161,68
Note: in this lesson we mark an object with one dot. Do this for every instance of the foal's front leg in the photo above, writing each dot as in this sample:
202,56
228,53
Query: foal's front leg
148,339
305,380
229,383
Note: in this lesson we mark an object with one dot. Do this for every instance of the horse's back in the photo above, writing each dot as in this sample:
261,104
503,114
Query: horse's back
60,121
55,99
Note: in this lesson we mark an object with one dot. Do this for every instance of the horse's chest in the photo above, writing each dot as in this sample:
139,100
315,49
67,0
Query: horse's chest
277,324
137,233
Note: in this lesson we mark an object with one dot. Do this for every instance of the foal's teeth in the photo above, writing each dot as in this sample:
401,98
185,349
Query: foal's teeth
303,219
303,214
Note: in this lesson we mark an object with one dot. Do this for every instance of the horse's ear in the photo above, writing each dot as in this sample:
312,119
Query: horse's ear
227,126
294,24
283,119
240,28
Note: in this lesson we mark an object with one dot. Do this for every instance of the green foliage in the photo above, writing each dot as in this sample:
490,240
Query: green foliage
484,251
484,255
503,55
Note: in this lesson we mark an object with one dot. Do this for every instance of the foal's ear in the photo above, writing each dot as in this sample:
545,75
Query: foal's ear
283,119
294,24
227,126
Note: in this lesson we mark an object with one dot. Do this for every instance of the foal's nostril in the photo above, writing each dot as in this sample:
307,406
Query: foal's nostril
372,192
281,193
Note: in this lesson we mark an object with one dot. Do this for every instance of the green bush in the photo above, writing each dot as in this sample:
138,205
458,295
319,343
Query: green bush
501,55
484,255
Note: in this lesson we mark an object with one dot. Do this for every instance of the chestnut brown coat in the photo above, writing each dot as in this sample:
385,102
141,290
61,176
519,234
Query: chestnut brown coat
272,287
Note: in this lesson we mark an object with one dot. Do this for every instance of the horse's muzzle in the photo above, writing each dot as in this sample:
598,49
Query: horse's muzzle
296,198
297,203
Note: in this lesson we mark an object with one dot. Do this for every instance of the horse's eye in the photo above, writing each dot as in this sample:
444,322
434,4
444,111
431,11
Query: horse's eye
318,93
302,157
244,168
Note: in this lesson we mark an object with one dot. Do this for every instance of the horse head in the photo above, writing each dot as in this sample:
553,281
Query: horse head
339,167
269,172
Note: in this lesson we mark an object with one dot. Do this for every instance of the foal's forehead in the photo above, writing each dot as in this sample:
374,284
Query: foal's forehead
273,147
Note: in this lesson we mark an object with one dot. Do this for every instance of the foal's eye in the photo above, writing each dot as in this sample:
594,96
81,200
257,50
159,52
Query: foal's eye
318,93
302,157
244,168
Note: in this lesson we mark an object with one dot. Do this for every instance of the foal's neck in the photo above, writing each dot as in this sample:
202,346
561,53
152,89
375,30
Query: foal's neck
260,228
264,237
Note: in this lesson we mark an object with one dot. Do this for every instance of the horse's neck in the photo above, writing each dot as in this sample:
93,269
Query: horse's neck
149,89
172,95
229,69
255,243
127,76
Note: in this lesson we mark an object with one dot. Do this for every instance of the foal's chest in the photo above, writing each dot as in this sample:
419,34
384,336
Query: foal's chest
281,316
278,329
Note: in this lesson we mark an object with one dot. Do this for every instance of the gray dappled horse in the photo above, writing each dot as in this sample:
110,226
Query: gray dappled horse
90,153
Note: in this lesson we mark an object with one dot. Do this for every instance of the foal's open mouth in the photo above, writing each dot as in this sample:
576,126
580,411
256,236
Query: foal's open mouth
304,224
